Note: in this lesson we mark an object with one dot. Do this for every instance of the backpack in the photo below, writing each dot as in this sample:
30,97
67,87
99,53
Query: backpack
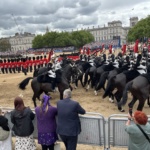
3,134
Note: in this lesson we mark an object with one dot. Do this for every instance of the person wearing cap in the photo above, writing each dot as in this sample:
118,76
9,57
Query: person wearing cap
46,123
68,123
137,140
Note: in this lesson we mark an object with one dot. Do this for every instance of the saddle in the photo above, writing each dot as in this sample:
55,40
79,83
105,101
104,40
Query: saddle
130,75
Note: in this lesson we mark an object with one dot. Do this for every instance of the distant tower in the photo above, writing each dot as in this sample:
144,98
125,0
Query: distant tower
47,29
133,21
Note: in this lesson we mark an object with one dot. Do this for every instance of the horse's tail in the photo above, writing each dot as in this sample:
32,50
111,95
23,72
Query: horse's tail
125,94
109,87
102,81
24,83
86,77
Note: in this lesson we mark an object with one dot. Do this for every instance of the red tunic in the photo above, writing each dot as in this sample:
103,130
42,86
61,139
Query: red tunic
110,49
24,65
136,46
124,49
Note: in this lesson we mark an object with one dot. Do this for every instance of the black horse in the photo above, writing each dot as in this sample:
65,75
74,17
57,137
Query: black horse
119,82
38,88
140,89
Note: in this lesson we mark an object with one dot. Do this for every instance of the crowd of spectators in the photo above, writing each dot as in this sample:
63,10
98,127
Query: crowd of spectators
67,127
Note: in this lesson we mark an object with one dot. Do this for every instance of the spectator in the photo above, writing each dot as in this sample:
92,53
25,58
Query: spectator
46,124
5,134
68,126
22,117
137,140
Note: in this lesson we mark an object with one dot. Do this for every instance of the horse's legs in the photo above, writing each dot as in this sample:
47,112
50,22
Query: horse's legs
134,99
118,96
148,101
141,104
87,88
111,97
34,99
81,78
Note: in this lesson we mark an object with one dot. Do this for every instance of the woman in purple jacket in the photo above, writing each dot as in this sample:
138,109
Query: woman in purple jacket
46,124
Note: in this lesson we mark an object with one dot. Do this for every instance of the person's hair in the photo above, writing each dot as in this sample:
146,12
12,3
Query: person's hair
140,117
19,104
67,93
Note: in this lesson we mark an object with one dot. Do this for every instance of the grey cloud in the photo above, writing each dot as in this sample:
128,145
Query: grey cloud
66,13
36,15
92,7
64,24
47,7
39,19
115,4
69,3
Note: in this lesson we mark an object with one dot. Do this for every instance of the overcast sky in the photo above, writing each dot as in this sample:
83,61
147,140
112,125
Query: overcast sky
35,15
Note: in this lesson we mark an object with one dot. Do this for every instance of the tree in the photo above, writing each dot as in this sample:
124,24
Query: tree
5,45
54,39
38,42
140,30
82,37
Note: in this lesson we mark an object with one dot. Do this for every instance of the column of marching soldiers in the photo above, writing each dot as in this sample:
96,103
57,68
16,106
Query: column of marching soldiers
17,65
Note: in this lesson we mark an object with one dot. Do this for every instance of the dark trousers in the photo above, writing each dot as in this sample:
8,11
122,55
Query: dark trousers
14,69
10,71
70,142
6,71
48,147
30,67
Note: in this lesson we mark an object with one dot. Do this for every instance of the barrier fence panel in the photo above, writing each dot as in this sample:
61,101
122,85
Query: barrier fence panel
117,136
92,126
96,130
93,129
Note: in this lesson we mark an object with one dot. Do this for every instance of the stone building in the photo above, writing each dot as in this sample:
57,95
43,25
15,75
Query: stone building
21,41
114,30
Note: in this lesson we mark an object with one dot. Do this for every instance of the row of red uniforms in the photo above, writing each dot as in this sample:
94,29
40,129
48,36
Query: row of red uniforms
25,64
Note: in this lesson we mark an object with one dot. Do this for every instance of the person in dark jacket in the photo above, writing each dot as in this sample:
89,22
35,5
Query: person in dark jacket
68,125
22,117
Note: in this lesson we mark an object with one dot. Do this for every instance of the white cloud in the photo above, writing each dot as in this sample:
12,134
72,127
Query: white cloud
34,16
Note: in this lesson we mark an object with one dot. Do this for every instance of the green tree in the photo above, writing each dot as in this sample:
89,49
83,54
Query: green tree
38,42
140,30
82,37
53,39
5,45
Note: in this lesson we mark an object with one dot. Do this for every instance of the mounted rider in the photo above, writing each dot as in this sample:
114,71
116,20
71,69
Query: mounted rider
54,66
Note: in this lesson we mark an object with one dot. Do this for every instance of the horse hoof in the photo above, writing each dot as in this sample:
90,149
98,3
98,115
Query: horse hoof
122,110
95,93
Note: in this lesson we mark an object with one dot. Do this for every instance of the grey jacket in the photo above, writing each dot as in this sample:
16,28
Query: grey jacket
68,122
22,122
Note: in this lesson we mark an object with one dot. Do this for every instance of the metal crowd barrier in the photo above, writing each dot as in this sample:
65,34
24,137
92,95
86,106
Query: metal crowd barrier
92,126
117,136
96,130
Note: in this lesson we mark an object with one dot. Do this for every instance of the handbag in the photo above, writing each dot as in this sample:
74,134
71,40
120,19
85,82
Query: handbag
3,134
143,132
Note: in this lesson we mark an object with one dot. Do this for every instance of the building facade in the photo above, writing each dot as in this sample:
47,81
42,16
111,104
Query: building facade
21,42
112,31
